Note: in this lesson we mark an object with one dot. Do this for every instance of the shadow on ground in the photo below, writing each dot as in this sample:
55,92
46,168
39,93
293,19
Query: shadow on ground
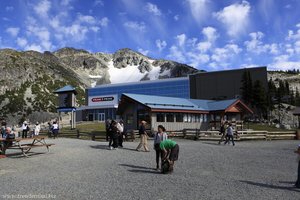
290,188
140,169
100,146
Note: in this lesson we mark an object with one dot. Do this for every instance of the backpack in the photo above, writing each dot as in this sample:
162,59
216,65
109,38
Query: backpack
165,167
27,129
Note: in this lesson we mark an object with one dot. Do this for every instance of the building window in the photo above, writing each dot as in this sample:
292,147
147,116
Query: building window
185,117
205,118
170,117
189,118
129,118
160,117
179,117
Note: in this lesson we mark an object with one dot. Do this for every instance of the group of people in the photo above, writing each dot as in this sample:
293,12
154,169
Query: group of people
227,133
26,129
114,134
166,150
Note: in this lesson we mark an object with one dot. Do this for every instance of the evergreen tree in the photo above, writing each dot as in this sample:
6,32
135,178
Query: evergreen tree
287,88
271,94
247,89
260,98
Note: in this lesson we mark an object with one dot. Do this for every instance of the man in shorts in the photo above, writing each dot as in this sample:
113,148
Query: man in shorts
170,151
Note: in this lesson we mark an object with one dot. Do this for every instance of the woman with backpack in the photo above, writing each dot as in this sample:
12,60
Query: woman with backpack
160,136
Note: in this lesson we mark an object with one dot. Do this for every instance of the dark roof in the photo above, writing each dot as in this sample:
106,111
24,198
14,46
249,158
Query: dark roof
67,88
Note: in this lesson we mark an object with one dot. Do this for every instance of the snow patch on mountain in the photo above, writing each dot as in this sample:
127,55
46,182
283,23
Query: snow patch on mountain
122,75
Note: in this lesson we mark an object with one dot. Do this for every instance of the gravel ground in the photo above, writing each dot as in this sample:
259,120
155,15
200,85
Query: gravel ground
77,169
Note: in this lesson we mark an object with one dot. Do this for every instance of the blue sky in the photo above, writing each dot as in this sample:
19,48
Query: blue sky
206,34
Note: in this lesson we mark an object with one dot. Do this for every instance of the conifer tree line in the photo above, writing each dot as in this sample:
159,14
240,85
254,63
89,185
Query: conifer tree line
262,101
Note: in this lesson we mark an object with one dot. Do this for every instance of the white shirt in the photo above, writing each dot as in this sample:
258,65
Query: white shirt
55,126
24,127
120,127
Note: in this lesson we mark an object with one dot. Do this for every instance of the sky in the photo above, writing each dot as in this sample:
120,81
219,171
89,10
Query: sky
206,34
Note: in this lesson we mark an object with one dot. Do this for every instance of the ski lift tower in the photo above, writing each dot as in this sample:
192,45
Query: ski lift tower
66,102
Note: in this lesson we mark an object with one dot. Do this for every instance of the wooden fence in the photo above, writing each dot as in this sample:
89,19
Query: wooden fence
194,134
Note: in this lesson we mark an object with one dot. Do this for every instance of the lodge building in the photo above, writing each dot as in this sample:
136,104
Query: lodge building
198,101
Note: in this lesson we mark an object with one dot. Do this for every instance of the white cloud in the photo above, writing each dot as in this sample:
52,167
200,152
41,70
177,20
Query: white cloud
181,39
176,17
86,19
221,55
9,8
34,47
42,8
104,21
204,46
199,9
13,31
256,45
95,29
235,17
21,42
142,51
137,26
99,3
210,33
161,44
152,8
176,54
65,2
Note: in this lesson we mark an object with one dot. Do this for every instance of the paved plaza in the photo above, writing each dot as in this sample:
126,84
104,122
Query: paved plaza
79,169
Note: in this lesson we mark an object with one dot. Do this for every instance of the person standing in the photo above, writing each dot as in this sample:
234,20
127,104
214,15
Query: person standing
120,127
25,129
107,127
114,136
160,136
144,137
170,152
55,129
222,132
229,135
297,184
37,129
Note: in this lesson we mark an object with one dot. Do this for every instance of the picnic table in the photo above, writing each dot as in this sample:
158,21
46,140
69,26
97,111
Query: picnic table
18,143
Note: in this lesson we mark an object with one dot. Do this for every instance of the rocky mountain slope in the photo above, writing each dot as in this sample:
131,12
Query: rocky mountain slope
29,78
293,79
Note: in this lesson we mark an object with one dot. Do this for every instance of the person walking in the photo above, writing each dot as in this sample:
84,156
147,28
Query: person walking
37,129
160,136
229,135
297,184
144,137
107,127
120,127
25,129
222,132
55,129
170,152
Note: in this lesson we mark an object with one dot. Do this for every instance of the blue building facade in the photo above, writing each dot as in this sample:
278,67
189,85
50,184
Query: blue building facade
174,87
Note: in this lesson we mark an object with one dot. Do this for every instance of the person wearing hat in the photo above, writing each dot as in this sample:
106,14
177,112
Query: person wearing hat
297,184
144,137
25,129
37,129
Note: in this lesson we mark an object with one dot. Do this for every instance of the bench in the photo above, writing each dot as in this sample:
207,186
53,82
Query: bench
25,148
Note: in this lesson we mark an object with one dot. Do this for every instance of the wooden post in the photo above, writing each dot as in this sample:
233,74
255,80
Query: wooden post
78,134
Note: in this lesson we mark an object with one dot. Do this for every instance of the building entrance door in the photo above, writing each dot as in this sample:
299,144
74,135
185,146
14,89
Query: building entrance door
101,117
91,117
